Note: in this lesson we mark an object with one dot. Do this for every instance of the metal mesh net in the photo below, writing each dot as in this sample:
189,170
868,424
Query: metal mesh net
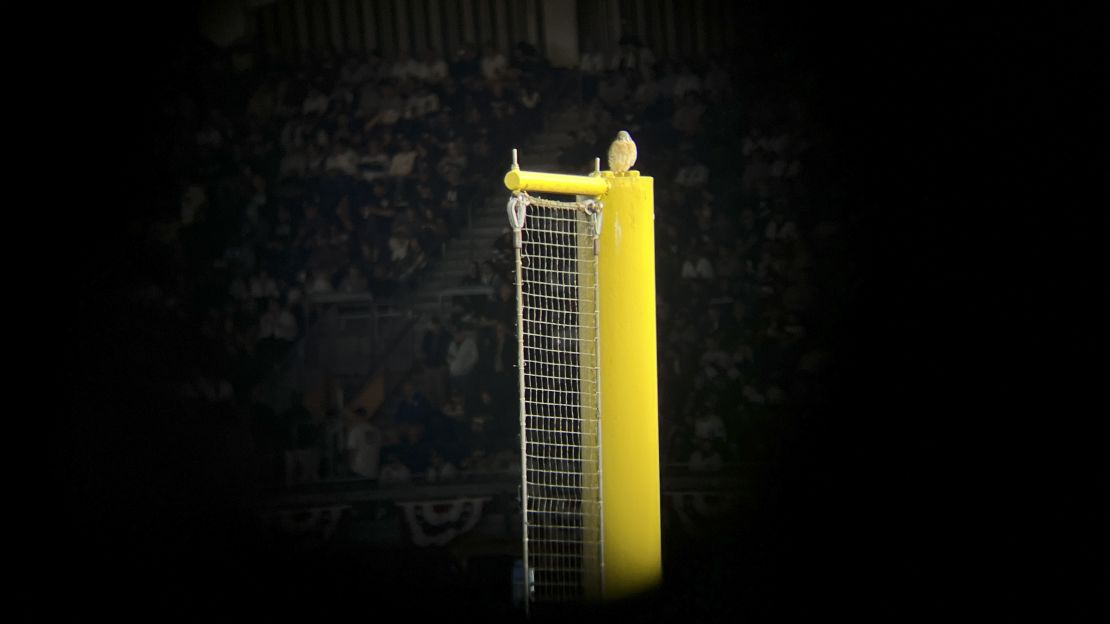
560,426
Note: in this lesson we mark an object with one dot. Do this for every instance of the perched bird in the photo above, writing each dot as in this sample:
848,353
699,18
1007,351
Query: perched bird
622,153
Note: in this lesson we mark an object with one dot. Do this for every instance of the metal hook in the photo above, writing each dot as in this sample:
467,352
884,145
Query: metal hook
593,209
518,214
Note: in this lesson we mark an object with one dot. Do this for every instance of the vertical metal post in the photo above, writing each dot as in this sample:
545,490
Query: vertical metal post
523,422
593,542
517,216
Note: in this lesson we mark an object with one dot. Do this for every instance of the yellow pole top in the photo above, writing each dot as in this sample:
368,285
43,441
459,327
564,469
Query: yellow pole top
517,180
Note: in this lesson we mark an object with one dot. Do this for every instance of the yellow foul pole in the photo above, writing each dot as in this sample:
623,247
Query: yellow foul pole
630,494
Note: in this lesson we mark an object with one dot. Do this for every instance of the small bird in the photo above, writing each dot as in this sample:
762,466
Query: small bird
622,153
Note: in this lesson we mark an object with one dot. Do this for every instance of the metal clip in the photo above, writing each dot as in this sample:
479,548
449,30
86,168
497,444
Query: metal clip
593,209
517,209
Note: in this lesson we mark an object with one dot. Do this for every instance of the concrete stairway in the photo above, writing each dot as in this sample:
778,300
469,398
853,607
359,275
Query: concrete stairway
395,346
488,221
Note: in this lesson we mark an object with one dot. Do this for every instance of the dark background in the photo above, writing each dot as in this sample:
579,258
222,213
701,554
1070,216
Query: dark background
956,472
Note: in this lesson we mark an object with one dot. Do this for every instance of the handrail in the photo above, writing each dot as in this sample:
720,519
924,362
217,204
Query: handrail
340,297
465,290
464,484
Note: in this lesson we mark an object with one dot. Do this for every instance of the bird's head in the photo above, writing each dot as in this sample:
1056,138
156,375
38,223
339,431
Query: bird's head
623,136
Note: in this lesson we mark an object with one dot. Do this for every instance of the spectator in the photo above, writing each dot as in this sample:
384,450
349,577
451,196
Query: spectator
465,64
504,461
439,469
476,461
289,422
317,284
383,281
342,159
391,108
353,282
263,286
488,276
697,266
686,82
492,418
591,63
709,426
393,471
453,162
277,330
504,354
373,163
406,68
714,359
433,352
529,99
413,407
473,276
353,72
477,434
718,82
693,174
688,115
462,357
433,231
613,91
278,323
315,103
435,70
363,445
646,93
706,457
414,446
403,161
303,461
455,408
494,64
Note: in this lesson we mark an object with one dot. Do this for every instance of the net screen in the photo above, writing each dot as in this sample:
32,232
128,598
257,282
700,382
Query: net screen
557,274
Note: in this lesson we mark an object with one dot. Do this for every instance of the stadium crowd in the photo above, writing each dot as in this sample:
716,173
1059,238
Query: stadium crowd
349,175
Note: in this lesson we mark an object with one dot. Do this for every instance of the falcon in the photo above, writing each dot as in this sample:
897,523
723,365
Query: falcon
622,153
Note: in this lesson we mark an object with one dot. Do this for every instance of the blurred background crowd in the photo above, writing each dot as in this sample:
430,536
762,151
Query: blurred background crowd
351,175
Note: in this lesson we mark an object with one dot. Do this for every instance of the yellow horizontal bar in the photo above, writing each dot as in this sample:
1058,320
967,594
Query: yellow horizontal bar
517,180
